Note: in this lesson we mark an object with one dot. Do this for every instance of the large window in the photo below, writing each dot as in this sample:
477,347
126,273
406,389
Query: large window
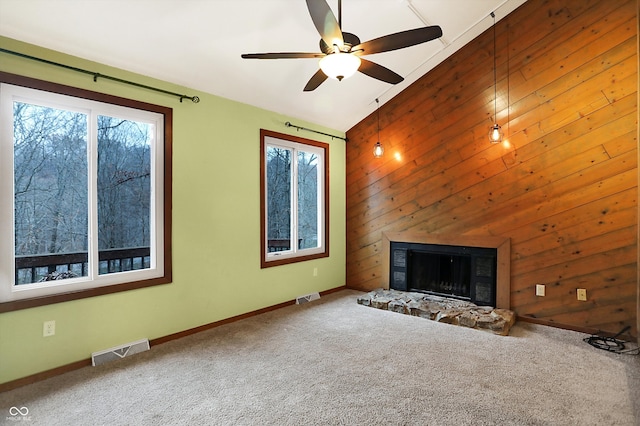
83,194
294,199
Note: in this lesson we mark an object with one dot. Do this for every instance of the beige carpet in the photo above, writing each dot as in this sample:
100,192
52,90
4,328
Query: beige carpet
334,362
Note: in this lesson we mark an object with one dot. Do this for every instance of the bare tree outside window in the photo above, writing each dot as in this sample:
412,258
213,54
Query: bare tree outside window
50,181
51,186
278,195
124,186
307,200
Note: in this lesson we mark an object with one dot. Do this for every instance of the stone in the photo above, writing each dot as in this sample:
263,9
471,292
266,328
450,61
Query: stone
420,308
505,314
364,299
381,302
495,325
442,309
467,319
448,316
399,306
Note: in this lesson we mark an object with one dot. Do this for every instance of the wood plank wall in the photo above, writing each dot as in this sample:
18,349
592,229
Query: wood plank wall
565,191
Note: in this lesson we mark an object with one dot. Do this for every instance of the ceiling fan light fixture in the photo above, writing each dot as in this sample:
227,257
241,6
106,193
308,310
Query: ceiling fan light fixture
339,65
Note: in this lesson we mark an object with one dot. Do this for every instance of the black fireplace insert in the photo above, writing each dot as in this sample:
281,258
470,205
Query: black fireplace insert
467,273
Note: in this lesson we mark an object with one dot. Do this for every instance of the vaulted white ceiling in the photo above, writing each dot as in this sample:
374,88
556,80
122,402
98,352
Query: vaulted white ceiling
198,43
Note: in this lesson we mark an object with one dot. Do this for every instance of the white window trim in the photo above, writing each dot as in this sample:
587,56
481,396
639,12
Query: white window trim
295,147
295,254
9,291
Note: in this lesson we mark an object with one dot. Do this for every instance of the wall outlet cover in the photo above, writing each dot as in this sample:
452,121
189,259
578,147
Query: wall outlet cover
582,294
49,328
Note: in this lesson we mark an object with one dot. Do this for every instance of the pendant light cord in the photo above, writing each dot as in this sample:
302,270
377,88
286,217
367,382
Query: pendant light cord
378,150
378,115
508,83
495,75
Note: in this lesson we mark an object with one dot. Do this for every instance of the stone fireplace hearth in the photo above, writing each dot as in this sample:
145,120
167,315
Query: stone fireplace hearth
441,309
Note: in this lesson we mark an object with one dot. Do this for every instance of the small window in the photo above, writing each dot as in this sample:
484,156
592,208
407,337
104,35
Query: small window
82,196
294,199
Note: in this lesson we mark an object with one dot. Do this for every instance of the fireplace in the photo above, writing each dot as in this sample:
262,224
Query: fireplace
466,273
500,251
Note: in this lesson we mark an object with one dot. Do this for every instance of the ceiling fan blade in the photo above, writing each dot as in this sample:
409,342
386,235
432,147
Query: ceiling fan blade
379,72
398,40
325,22
282,55
318,78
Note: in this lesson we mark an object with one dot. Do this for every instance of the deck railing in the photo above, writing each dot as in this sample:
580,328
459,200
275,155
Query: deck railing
281,244
31,269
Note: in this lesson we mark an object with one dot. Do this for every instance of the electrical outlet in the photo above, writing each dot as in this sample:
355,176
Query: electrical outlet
582,294
540,289
315,272
48,328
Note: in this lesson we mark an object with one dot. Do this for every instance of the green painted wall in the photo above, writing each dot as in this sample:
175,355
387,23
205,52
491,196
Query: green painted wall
216,256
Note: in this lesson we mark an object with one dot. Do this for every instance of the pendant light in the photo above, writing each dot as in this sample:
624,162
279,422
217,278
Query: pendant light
495,133
378,150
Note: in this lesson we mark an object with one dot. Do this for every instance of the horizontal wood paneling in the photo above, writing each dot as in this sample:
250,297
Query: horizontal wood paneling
565,192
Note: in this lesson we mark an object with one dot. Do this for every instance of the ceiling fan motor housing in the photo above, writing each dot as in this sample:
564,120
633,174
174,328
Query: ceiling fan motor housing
350,40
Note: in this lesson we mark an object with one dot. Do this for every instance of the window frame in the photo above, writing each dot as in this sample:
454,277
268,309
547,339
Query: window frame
163,231
269,259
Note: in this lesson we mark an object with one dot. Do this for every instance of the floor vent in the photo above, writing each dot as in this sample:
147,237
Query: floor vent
308,298
107,355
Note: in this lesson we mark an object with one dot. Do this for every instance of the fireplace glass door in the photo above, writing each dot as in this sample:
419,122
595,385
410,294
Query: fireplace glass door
443,274
467,273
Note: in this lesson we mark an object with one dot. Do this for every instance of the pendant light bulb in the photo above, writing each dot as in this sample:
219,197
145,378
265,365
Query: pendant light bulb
495,134
378,150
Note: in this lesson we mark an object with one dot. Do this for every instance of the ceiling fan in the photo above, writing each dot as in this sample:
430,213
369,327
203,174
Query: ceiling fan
342,51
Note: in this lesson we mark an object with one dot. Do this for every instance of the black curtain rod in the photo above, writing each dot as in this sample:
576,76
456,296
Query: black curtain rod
97,75
288,124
